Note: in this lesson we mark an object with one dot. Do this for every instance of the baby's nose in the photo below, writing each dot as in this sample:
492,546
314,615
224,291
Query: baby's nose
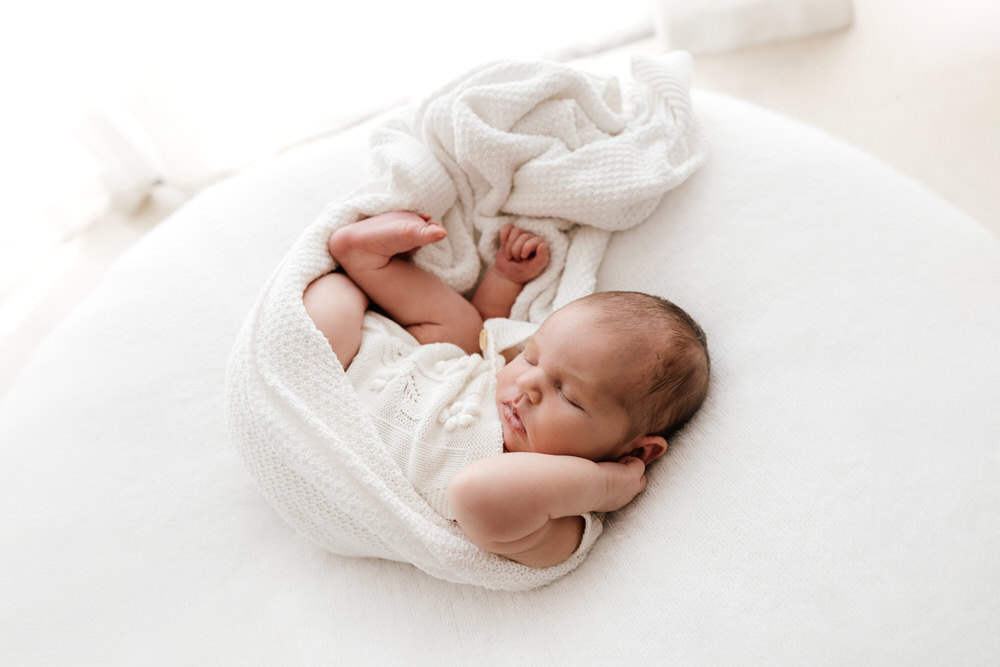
529,384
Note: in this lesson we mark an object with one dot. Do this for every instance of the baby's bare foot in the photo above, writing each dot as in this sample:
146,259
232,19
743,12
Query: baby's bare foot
371,243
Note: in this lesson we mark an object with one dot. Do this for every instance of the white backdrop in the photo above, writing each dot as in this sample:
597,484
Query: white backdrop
185,91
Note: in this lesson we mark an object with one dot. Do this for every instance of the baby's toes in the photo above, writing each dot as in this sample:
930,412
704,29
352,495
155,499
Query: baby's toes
431,232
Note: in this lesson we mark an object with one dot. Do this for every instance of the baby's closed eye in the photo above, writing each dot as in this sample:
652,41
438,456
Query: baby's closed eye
566,397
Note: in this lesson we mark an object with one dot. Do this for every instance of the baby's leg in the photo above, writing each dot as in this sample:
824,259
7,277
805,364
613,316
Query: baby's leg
417,300
337,307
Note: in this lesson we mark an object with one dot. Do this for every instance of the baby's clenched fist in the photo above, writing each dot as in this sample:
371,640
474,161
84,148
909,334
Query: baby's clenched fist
623,480
522,255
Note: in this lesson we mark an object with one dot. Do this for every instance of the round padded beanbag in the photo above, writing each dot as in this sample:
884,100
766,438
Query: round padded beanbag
835,501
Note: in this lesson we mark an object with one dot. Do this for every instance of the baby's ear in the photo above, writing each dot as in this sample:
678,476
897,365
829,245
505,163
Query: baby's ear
648,448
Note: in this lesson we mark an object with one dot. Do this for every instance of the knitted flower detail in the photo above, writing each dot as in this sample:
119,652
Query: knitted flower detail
382,379
461,413
455,365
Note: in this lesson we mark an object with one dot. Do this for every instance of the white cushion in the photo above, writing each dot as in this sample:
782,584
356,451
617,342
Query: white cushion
835,501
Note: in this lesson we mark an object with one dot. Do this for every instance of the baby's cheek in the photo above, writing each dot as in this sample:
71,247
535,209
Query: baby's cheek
505,385
501,378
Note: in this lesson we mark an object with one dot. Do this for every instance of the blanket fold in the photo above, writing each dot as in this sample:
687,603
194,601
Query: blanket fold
551,149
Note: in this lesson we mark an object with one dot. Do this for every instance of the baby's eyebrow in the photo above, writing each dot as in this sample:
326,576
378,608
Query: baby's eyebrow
578,387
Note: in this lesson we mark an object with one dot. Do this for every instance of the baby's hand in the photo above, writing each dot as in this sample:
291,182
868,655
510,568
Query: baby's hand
623,480
522,255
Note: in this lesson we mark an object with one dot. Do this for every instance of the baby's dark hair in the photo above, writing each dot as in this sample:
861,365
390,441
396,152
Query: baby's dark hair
674,382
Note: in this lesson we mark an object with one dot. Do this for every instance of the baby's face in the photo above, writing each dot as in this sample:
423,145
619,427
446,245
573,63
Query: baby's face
566,392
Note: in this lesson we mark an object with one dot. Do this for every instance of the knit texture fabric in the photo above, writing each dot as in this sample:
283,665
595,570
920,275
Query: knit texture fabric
433,405
558,152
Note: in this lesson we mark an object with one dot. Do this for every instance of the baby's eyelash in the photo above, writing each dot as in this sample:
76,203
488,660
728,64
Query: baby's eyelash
567,398
531,361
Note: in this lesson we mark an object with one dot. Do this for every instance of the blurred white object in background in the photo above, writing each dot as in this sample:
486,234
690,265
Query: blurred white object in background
175,97
705,26
128,167
139,149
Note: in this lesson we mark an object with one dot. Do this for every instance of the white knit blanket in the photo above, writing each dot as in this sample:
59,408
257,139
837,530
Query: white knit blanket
554,150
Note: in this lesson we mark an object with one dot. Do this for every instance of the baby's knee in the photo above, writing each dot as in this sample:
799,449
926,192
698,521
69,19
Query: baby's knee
335,289
337,307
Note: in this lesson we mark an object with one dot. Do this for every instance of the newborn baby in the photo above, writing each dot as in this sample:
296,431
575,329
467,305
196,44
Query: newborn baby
517,453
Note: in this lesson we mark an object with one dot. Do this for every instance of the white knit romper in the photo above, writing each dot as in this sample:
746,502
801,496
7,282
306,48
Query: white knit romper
433,405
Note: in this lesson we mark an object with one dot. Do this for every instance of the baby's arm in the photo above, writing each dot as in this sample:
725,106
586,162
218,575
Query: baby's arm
521,257
527,506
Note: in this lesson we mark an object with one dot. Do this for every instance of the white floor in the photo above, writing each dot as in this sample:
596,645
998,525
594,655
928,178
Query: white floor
915,84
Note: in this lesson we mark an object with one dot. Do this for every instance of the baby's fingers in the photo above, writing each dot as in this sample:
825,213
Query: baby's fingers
637,471
530,246
505,233
508,235
542,254
518,247
536,248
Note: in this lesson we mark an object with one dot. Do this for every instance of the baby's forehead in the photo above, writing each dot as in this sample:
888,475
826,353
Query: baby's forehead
599,354
598,321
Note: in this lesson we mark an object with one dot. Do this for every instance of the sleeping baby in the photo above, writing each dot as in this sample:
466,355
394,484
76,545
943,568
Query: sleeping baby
518,438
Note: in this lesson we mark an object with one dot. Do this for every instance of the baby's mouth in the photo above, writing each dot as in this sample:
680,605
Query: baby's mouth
512,418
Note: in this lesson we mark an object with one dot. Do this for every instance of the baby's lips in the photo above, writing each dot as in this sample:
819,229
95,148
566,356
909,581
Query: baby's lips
513,419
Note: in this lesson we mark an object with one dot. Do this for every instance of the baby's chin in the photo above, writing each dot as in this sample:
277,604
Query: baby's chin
507,439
